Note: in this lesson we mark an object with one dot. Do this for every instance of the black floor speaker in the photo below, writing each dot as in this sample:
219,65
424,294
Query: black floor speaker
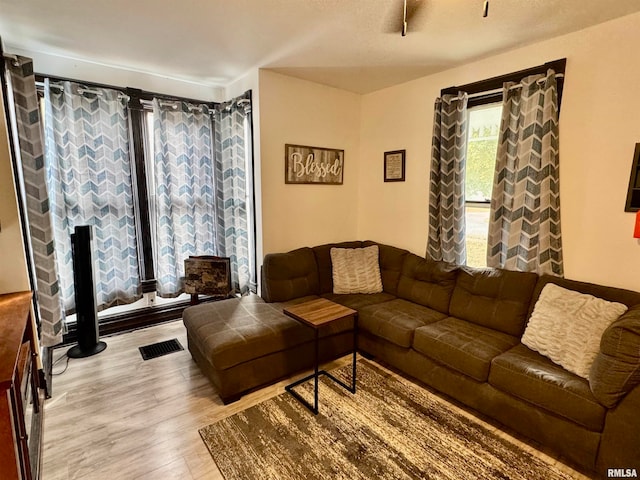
86,311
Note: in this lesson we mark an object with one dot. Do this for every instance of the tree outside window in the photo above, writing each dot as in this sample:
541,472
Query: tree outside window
482,146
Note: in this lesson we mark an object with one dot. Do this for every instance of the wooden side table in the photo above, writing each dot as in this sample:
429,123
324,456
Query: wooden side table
315,314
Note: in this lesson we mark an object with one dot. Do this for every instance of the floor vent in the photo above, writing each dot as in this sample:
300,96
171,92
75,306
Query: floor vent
159,349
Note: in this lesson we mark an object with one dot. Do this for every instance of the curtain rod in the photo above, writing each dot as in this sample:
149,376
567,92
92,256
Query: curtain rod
82,90
512,87
12,57
236,101
54,85
174,104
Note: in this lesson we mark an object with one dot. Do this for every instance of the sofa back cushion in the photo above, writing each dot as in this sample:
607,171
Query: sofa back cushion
616,369
493,298
391,262
323,260
286,276
427,282
611,294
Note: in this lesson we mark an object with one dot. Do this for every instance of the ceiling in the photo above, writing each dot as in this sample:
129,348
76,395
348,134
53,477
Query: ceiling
342,43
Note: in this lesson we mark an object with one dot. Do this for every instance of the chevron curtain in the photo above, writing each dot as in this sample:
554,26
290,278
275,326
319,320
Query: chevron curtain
524,225
184,209
446,239
89,180
234,191
41,235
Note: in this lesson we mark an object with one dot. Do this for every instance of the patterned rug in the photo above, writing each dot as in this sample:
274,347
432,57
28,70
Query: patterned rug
390,429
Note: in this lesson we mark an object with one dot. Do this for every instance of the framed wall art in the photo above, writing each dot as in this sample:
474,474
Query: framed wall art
313,165
394,166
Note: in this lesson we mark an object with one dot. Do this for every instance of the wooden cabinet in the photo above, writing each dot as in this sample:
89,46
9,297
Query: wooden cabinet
21,398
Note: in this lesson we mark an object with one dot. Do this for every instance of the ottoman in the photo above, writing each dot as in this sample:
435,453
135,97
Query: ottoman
244,343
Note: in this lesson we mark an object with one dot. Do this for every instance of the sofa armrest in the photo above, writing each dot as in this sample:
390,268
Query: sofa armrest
290,275
616,369
620,442
615,382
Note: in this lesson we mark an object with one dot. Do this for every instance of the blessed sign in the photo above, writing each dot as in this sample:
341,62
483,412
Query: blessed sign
304,164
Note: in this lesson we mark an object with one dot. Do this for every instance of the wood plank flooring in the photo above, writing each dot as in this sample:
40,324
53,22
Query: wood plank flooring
114,416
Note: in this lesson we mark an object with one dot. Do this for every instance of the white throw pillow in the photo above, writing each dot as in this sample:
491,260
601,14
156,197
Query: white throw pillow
566,326
356,270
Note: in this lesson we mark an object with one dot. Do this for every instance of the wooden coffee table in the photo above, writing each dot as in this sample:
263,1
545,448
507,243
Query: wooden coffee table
316,314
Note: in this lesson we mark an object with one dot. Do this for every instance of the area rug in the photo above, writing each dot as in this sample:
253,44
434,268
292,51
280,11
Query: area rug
390,429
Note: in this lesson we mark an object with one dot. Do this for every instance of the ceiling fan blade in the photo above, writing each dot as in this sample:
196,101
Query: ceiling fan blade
413,7
398,20
404,19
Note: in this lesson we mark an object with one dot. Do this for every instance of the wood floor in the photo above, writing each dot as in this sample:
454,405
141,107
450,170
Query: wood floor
114,416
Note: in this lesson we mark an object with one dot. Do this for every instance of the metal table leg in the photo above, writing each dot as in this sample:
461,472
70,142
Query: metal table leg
316,372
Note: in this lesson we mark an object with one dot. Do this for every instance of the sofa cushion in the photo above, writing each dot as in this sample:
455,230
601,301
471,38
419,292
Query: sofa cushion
462,346
358,300
289,275
527,375
323,260
616,369
396,320
493,298
427,282
356,270
234,331
391,262
566,326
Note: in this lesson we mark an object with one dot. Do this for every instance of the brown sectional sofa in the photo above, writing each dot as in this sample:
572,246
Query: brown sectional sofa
456,329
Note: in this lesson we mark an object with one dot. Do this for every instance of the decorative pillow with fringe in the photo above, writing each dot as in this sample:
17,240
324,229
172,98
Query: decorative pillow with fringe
356,270
566,326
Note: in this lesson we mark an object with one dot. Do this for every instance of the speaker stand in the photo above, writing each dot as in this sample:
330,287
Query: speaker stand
78,352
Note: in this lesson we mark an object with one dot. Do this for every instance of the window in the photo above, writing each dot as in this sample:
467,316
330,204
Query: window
141,155
482,145
478,164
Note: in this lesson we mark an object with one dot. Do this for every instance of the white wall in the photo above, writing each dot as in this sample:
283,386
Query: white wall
14,277
394,119
58,66
599,126
249,81
305,113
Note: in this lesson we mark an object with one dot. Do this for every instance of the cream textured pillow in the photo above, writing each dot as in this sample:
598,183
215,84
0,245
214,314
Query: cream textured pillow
356,270
566,326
